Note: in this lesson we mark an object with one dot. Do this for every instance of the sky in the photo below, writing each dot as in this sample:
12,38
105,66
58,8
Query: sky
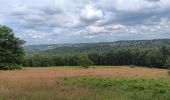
84,21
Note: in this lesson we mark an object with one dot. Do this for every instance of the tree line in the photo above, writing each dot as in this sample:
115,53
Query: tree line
153,57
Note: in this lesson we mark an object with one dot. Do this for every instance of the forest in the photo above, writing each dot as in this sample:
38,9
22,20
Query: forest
152,57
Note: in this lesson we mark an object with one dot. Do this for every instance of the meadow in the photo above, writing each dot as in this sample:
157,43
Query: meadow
76,83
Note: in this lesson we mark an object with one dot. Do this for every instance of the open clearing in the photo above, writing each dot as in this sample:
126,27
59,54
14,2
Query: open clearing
74,83
114,72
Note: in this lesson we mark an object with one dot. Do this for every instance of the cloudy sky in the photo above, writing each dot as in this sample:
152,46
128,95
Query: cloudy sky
79,21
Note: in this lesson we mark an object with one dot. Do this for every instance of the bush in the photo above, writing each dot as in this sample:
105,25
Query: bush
132,66
6,66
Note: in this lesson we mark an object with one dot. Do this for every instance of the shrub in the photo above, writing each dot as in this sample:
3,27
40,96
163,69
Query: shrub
132,66
8,66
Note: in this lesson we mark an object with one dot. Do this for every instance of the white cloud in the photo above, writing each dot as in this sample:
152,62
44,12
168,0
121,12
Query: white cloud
91,14
36,34
134,5
118,27
95,29
65,21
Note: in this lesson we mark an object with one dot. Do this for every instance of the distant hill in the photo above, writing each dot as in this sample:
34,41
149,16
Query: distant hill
29,49
60,49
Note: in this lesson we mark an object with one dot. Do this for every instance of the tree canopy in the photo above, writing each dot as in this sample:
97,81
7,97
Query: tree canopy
11,49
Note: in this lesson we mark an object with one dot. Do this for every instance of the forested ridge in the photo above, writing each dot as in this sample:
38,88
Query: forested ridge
62,49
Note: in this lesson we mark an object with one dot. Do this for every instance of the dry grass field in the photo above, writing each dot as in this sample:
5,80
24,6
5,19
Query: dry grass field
71,83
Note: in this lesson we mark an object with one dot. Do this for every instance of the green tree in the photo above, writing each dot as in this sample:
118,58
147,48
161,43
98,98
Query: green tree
155,58
84,61
165,51
95,57
11,50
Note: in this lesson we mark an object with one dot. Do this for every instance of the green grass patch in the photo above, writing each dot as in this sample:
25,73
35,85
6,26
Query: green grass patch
125,89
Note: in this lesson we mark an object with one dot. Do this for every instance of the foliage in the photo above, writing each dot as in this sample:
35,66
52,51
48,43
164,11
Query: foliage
8,66
95,57
167,64
84,61
154,57
132,66
11,50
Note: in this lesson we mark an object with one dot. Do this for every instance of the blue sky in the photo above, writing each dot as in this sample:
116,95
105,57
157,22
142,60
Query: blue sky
77,21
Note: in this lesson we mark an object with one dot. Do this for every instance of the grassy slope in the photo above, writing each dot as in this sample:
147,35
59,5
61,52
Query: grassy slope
44,84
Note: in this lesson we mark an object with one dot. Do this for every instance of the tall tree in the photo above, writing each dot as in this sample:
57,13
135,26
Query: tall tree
11,50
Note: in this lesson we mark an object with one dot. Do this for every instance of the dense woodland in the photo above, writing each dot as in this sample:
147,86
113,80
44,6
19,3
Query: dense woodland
152,57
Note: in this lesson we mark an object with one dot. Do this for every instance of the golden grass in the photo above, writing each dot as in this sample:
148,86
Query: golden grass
115,72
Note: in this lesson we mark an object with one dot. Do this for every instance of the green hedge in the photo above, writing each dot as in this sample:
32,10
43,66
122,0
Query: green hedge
8,66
